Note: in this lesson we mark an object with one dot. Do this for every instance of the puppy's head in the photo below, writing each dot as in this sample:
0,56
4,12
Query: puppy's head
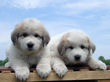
76,46
30,35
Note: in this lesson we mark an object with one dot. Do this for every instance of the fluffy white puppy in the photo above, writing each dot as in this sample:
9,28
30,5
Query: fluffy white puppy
29,40
72,47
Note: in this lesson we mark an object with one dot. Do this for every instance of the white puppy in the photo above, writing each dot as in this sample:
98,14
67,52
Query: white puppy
72,47
29,45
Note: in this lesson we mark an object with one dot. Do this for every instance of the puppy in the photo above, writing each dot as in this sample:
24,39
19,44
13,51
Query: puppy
72,47
29,40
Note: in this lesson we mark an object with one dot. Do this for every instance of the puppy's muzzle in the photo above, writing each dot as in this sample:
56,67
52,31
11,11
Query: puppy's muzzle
77,57
30,45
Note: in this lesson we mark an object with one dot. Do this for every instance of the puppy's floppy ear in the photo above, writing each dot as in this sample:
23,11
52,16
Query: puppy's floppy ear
14,37
45,38
62,47
92,47
15,34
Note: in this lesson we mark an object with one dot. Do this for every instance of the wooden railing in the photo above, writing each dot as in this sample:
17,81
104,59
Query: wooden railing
74,73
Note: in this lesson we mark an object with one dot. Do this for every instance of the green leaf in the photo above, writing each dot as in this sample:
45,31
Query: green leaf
107,62
3,62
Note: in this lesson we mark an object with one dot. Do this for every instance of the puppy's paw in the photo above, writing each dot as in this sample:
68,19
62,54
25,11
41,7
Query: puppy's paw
60,70
43,70
99,65
22,73
102,65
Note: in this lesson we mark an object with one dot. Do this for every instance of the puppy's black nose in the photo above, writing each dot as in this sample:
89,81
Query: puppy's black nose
30,45
77,57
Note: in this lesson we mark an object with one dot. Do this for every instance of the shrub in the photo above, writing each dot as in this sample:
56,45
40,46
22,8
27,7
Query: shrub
2,62
107,62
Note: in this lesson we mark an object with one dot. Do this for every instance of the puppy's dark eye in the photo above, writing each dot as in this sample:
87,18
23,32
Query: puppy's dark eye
24,34
82,47
71,47
36,35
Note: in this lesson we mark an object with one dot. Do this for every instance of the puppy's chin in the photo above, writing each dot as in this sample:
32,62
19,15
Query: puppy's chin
73,61
79,62
27,51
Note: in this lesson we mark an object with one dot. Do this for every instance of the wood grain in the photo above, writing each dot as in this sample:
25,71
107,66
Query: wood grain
7,75
103,80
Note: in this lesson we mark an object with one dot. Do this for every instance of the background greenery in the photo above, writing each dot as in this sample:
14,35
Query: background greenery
2,62
107,62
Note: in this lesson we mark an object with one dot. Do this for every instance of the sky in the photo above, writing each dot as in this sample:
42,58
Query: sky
91,16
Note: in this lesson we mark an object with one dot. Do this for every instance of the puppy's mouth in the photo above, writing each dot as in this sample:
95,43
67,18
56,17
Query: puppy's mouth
77,61
30,49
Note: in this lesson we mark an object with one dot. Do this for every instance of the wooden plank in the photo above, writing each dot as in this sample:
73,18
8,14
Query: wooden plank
78,75
6,71
84,69
7,77
83,74
103,80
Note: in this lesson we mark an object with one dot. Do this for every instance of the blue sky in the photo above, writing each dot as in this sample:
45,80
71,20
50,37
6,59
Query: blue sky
92,16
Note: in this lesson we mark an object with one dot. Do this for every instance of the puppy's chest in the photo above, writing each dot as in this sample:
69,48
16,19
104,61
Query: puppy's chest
33,59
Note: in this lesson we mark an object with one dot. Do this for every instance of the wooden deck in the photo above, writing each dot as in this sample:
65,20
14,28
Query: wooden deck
74,74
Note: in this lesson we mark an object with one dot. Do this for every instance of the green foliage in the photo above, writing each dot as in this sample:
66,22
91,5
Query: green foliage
2,62
107,62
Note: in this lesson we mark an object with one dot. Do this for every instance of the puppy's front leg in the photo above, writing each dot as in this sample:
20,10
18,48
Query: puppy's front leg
21,70
44,68
59,67
96,64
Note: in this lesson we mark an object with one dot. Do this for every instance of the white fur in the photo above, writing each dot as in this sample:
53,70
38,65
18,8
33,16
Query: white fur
44,65
23,43
76,37
21,58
